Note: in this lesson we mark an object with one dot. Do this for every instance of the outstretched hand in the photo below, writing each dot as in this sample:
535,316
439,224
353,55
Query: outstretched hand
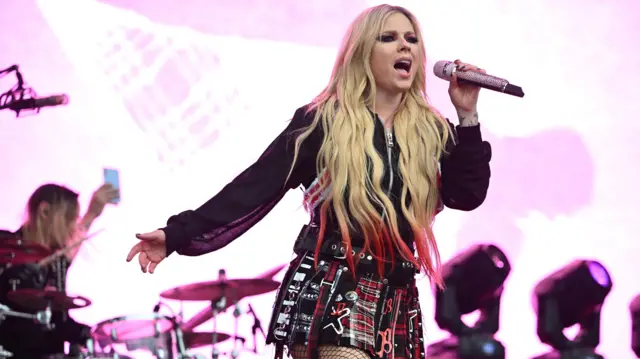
151,250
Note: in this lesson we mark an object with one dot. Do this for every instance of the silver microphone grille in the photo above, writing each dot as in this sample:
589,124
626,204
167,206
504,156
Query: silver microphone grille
444,69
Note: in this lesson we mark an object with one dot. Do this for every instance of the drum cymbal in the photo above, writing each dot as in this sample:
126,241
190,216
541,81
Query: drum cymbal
17,258
38,299
233,289
194,340
17,251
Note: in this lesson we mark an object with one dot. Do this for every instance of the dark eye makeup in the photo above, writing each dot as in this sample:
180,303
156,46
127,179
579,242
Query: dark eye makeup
390,37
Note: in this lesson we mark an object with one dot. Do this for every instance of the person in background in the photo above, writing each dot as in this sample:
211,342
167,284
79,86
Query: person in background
53,222
378,163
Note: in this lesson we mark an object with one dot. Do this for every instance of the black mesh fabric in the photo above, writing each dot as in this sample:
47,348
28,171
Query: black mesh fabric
329,352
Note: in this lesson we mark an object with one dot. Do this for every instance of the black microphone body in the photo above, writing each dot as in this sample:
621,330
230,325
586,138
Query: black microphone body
446,69
38,103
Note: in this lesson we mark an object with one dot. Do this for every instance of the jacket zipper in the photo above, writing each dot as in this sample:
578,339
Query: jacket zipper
389,140
389,135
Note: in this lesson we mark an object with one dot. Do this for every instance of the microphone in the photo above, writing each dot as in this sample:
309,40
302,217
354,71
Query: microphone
446,69
156,309
38,103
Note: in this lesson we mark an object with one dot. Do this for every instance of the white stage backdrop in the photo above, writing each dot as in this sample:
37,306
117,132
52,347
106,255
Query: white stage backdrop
181,96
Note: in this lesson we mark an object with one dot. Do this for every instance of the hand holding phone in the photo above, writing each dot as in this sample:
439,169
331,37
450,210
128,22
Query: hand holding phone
112,177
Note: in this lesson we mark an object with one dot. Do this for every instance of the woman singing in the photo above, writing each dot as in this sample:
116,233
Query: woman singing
377,163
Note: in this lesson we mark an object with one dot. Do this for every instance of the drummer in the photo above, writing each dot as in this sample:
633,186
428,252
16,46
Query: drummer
52,222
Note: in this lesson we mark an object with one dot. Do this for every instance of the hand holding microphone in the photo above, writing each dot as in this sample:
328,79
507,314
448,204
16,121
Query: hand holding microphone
466,81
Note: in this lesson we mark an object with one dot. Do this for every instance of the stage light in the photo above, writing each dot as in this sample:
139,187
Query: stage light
634,307
572,295
474,281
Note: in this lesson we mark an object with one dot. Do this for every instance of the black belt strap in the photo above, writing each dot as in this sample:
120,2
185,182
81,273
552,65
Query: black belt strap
332,246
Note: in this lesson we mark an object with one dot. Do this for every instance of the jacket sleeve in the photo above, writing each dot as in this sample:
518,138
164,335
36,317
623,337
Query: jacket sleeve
464,170
248,198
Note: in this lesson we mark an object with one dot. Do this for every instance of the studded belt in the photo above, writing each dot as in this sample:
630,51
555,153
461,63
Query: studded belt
332,246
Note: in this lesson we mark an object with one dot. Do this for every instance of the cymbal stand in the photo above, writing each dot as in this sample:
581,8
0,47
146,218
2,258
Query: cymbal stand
158,350
217,307
42,317
91,348
181,348
236,314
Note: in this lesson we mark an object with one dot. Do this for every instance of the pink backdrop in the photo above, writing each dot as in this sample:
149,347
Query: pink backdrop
181,96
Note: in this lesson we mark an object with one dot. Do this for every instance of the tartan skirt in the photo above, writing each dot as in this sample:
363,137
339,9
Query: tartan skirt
328,306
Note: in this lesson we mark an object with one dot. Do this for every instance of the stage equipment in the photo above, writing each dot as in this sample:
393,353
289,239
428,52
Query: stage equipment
474,281
571,295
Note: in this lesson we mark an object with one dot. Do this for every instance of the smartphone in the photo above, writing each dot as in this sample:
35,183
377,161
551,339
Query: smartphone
112,177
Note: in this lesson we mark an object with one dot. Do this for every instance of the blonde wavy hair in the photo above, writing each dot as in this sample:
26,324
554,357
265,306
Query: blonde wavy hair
53,224
347,151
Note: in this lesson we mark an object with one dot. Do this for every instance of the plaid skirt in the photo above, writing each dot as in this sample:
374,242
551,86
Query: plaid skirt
327,306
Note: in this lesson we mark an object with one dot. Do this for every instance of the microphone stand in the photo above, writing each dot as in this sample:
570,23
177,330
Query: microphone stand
257,326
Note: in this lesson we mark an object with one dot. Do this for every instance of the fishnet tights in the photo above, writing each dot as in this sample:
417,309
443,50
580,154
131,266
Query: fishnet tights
329,352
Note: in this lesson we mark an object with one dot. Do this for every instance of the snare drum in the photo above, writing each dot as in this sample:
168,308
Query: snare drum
153,332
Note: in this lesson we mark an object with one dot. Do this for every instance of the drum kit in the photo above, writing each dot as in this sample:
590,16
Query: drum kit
164,336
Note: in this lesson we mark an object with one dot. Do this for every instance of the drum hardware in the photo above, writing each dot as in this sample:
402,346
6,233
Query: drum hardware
151,332
39,299
92,353
41,317
5,354
236,314
217,307
91,347
161,345
193,340
14,283
257,326
182,348
227,290
154,332
97,355
205,291
16,251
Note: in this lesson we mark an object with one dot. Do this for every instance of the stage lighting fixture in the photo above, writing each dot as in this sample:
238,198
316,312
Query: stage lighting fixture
572,295
473,281
634,307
